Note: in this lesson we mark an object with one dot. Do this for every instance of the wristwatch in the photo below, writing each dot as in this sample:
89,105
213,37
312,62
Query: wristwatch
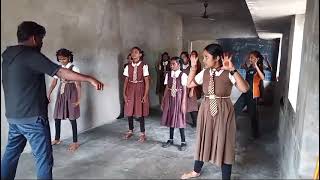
232,72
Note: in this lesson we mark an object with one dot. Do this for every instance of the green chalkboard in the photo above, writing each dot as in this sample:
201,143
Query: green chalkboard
240,48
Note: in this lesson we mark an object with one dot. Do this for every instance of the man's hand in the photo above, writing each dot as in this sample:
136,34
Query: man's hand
97,84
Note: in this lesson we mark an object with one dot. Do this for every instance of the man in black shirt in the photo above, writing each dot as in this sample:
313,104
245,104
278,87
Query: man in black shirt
23,77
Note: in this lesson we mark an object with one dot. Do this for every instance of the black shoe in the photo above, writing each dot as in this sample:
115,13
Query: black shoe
191,124
167,144
183,147
120,116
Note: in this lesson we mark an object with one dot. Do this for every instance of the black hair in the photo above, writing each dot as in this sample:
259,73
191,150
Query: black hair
194,52
187,55
177,59
140,51
163,54
29,28
65,53
215,50
258,55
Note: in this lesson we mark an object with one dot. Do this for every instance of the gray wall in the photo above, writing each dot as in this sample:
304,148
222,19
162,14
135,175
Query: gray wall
100,33
299,131
204,30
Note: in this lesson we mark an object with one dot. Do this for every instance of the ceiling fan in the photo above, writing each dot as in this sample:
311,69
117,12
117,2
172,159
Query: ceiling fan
205,15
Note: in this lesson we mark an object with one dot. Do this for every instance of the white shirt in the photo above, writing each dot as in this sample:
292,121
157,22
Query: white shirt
199,76
185,66
184,77
74,68
145,69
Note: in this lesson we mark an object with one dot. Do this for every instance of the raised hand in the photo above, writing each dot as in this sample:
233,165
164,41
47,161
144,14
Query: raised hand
227,63
194,60
255,61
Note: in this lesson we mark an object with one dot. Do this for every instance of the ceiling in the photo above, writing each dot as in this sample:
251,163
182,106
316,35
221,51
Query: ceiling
265,16
272,16
219,10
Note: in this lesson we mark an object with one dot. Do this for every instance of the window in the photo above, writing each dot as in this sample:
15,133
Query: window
295,59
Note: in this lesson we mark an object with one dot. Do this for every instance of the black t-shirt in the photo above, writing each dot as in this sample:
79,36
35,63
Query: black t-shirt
250,72
23,79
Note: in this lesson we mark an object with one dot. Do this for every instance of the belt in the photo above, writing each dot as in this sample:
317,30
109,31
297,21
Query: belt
216,97
135,82
176,89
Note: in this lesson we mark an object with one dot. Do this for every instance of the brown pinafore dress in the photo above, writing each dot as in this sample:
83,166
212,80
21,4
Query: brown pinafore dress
172,115
216,135
67,95
135,91
192,104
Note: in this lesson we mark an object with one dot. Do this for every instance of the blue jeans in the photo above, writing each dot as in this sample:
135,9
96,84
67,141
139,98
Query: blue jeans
39,137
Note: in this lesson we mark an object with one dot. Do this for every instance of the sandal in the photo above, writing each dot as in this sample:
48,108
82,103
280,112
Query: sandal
190,175
73,147
142,138
55,142
128,135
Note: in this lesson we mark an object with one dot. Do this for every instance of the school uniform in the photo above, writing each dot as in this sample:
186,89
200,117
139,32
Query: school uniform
67,95
215,140
172,115
136,72
192,104
64,106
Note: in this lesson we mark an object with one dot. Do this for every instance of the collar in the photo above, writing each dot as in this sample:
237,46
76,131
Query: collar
136,64
217,72
67,66
175,73
185,66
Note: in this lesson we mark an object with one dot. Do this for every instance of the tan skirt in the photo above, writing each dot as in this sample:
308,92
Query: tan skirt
216,135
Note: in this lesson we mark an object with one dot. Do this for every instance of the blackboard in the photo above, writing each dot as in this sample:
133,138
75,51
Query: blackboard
241,47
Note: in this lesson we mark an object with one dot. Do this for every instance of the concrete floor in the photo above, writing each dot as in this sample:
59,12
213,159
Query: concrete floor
104,155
